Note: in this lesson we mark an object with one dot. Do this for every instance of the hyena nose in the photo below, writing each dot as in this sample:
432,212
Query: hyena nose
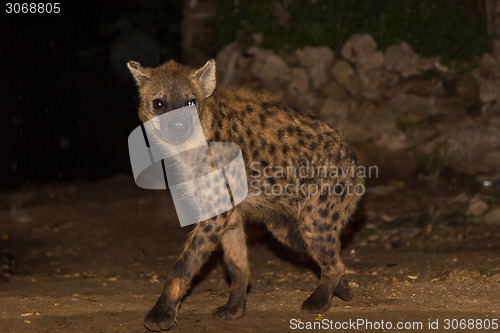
176,128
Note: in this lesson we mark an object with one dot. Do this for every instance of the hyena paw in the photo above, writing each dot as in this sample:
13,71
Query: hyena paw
227,312
343,291
318,302
160,317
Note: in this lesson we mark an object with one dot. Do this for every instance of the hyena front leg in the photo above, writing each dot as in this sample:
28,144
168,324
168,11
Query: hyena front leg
236,262
202,241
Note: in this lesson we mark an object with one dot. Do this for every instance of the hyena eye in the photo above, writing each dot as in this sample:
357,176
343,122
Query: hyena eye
158,103
191,102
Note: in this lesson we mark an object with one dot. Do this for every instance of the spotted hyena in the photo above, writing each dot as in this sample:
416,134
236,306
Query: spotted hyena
288,156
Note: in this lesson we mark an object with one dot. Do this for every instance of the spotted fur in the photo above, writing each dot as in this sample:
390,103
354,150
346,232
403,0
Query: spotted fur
270,134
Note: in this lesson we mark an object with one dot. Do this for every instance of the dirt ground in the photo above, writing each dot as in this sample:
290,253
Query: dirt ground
92,257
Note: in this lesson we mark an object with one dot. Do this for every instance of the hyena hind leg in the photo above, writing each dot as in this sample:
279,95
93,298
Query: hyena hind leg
322,239
236,262
289,236
343,291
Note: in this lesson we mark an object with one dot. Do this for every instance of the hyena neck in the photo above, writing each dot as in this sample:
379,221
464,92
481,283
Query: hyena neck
213,117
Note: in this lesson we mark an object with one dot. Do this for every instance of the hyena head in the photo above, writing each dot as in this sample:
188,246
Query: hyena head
178,137
172,86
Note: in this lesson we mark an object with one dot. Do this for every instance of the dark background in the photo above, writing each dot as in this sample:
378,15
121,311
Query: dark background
67,100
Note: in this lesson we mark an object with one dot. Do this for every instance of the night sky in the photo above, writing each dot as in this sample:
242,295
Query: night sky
67,100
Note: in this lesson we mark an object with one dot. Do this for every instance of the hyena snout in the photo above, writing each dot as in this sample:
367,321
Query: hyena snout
176,128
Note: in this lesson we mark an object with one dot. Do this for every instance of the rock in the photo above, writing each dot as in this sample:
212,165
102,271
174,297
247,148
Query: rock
440,67
335,90
370,80
488,61
273,68
333,110
392,141
410,110
358,46
467,89
226,63
469,150
353,85
426,64
309,103
489,91
388,78
493,216
317,61
402,58
367,123
345,75
477,208
342,71
299,84
368,68
270,68
370,61
424,137
489,68
367,120
426,87
311,56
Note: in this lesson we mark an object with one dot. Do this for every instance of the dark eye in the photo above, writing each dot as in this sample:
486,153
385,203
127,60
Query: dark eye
158,103
191,102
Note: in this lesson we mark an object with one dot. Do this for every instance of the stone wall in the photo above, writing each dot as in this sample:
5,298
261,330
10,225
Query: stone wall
393,106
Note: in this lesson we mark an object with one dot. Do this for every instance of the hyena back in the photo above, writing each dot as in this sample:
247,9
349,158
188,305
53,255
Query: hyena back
270,135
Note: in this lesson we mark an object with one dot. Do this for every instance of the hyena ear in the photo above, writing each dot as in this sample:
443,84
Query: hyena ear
138,72
206,78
